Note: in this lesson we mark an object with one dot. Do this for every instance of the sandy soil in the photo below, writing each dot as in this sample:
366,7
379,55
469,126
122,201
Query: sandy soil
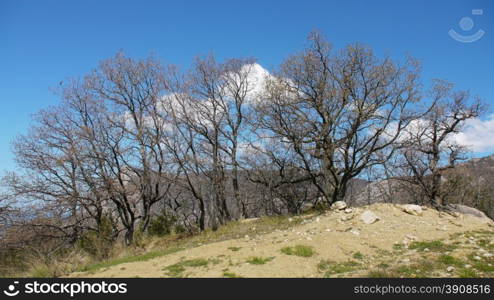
330,236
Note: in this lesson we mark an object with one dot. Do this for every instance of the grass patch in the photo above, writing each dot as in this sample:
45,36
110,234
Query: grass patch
450,260
467,273
234,249
484,243
42,272
174,270
420,269
177,269
380,274
397,247
358,255
383,266
255,260
231,275
483,267
331,268
198,262
436,246
128,259
299,250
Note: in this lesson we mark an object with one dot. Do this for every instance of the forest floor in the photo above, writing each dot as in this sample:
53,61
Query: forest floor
336,243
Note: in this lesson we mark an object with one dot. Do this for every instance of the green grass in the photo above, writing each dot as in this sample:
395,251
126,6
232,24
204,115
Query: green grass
419,269
398,247
380,274
255,260
177,269
383,266
331,267
231,275
484,267
449,260
128,259
422,268
436,246
358,255
299,250
42,272
467,273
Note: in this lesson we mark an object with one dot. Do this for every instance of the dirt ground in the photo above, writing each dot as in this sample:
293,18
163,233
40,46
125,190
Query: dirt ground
332,238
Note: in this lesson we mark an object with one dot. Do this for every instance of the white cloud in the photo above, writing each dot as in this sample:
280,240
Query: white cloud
478,134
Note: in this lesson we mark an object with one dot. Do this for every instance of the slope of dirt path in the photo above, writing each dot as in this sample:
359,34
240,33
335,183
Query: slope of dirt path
340,248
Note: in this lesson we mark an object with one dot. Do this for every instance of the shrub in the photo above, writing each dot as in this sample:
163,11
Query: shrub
162,224
98,244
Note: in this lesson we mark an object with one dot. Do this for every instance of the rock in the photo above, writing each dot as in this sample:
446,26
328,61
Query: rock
249,220
455,214
405,260
450,269
348,210
346,218
355,232
412,209
306,206
487,255
477,257
467,210
467,266
339,205
368,217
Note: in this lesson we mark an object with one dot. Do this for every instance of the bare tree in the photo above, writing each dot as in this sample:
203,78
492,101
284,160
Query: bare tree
428,145
339,112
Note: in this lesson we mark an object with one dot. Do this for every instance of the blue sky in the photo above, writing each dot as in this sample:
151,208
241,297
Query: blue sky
44,42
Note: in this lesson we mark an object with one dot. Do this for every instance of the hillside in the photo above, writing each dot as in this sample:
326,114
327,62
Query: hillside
335,244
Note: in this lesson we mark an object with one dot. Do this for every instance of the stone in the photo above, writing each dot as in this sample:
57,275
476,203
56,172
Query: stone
348,210
467,210
412,209
450,269
369,217
346,218
339,205
467,266
477,257
487,255
249,220
355,232
455,214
